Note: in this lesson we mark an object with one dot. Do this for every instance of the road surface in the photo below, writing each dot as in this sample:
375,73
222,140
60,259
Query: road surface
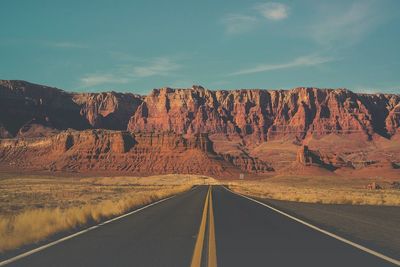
203,227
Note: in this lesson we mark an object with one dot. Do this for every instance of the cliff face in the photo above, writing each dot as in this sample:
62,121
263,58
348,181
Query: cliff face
392,121
260,115
196,130
32,110
22,104
118,151
107,110
255,115
111,151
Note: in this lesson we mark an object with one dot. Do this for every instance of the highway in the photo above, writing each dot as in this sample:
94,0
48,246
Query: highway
206,226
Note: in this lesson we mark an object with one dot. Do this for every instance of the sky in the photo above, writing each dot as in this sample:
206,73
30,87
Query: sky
138,45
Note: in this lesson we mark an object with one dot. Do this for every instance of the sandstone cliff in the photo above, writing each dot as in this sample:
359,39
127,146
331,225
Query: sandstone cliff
255,115
23,104
341,129
117,151
260,115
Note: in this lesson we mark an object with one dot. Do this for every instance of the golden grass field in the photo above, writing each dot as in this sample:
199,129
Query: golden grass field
320,189
35,207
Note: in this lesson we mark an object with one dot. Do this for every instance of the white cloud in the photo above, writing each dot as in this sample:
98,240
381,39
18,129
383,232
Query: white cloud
98,79
346,25
304,61
121,74
240,23
162,66
237,23
273,11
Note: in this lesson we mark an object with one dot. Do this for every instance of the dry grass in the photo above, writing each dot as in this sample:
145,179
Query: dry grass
326,190
33,208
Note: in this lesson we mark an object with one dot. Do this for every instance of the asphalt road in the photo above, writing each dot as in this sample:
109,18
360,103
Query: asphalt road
203,228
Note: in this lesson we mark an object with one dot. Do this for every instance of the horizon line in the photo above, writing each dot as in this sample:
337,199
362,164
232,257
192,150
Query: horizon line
195,86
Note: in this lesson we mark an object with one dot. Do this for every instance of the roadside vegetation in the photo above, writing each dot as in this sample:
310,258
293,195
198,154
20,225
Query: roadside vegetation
33,208
319,189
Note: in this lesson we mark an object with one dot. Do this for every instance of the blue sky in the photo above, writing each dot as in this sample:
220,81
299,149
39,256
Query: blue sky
142,44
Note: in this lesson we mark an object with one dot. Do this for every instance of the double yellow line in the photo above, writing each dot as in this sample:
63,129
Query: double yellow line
198,248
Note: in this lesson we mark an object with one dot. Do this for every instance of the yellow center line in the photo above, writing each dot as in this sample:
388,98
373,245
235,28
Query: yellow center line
198,248
212,249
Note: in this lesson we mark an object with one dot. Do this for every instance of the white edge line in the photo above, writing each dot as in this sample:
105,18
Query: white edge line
25,254
365,249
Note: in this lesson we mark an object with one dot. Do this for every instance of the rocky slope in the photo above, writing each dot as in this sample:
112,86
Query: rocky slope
241,125
24,105
257,115
118,151
260,115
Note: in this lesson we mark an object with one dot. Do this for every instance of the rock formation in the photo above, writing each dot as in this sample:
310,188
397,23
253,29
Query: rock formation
260,115
119,151
174,130
21,103
308,158
255,115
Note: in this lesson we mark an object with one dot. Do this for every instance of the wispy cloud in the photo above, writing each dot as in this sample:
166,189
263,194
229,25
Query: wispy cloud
304,61
122,74
162,66
346,25
273,10
98,79
237,23
243,22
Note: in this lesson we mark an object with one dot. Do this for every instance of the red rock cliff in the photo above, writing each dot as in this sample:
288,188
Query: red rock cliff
259,115
169,129
116,151
37,108
255,115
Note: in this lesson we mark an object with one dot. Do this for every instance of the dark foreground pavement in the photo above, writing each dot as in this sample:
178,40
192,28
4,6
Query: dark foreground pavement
166,234
249,234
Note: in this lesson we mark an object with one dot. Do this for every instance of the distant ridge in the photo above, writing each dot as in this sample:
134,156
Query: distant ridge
250,113
236,121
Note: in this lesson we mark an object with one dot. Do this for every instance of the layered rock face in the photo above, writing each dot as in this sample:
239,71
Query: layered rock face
392,121
122,152
107,110
260,115
47,110
22,104
255,115
113,151
196,130
308,157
